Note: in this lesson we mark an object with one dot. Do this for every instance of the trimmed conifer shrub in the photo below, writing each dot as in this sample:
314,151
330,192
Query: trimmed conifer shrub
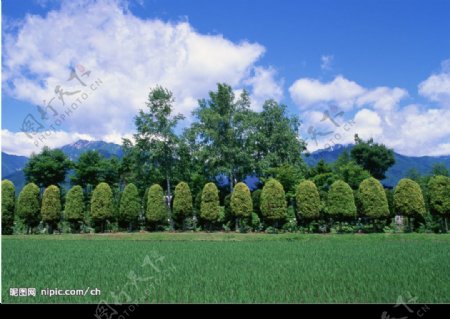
8,206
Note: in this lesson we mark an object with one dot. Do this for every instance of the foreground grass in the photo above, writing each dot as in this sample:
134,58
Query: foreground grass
230,267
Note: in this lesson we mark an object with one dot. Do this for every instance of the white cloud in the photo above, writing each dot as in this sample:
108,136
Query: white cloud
129,55
437,86
326,62
19,143
308,93
414,129
264,87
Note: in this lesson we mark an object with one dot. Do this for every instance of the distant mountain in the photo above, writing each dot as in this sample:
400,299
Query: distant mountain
401,167
74,150
12,165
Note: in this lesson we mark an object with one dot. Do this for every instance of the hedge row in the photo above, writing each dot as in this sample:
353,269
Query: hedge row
269,204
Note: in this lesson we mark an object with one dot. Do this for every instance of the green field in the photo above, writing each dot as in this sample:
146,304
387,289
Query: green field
229,268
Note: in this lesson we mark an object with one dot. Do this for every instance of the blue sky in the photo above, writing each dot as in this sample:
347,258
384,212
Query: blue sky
381,66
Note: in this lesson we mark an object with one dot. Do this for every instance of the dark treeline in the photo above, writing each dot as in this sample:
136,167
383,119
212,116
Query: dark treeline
195,180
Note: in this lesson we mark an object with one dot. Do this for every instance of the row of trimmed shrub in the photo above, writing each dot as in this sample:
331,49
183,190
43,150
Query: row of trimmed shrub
268,205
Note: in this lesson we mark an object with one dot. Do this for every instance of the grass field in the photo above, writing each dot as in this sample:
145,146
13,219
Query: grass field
229,268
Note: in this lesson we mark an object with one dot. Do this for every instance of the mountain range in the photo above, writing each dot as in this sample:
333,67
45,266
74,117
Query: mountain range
403,163
12,165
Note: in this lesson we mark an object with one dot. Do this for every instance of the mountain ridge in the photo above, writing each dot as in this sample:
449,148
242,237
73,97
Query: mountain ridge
12,165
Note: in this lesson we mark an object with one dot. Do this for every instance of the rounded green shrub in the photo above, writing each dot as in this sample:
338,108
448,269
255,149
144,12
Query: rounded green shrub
8,205
74,206
130,205
341,201
408,199
372,199
182,202
28,208
308,200
209,207
439,193
156,207
241,201
102,204
51,206
273,201
439,197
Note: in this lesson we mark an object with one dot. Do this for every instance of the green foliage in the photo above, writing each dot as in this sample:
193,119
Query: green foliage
156,208
273,201
47,168
51,205
209,209
102,204
408,199
308,200
288,175
390,199
182,203
349,171
241,201
375,158
130,205
439,191
8,206
341,201
28,208
440,169
92,168
154,155
74,207
256,199
372,199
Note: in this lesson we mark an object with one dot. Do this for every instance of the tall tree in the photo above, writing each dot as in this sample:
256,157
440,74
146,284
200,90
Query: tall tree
275,139
93,168
221,131
130,206
375,158
156,144
47,168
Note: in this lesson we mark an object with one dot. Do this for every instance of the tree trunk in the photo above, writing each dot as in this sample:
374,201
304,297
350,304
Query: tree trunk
50,228
237,223
445,224
169,202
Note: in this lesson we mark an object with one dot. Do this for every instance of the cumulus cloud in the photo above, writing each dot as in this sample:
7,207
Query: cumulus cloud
19,143
437,86
308,93
413,129
264,86
128,55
